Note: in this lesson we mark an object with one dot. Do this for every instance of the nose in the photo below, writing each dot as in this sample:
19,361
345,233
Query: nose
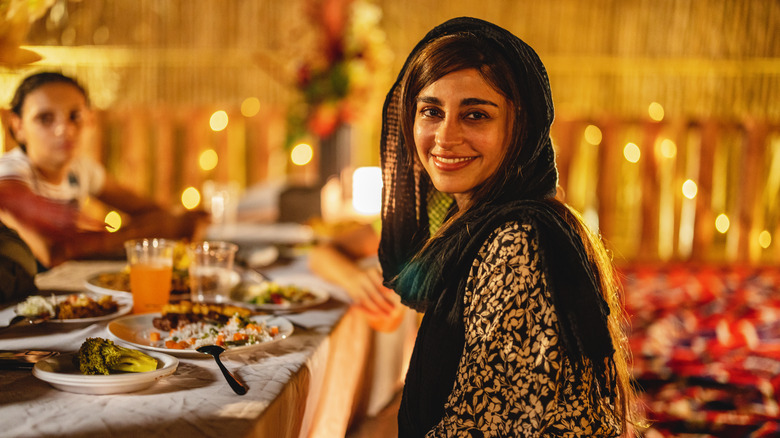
449,132
66,128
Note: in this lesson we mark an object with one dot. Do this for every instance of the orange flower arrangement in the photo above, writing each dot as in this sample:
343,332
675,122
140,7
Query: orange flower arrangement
331,85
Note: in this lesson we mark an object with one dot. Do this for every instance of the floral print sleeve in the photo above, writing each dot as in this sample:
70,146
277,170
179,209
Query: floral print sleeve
513,378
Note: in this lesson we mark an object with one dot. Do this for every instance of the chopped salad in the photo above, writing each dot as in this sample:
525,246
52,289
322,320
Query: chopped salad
237,331
274,293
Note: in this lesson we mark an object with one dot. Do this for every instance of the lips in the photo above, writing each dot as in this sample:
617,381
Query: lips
451,163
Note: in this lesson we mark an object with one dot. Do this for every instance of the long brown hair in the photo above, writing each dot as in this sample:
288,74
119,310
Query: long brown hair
455,52
458,51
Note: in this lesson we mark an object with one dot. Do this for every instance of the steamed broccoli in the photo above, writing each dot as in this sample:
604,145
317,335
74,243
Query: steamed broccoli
102,356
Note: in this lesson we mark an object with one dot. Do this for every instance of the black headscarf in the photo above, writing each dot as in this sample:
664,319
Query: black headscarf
432,276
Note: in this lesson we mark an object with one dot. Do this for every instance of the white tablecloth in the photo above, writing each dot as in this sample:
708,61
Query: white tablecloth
309,385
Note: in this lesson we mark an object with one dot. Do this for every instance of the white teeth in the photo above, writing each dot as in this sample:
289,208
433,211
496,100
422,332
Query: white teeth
452,160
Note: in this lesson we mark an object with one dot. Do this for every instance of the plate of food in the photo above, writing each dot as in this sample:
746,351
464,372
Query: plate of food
140,371
273,296
183,327
74,308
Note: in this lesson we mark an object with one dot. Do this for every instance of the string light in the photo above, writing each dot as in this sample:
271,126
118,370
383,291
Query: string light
632,153
208,159
190,198
656,111
722,223
250,107
218,121
593,135
301,154
668,148
689,189
765,239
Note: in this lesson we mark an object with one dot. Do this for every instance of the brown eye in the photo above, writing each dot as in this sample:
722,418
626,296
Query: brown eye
430,112
45,119
76,116
477,115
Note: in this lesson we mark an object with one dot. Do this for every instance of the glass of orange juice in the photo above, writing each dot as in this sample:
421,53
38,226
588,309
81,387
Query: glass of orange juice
151,269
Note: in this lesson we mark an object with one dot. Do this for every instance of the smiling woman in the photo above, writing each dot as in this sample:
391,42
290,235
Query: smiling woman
460,132
521,331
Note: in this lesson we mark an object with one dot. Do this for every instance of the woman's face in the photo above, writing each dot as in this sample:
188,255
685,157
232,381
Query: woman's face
50,125
461,131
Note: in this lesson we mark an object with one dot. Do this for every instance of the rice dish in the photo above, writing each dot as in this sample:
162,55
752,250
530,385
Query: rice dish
238,331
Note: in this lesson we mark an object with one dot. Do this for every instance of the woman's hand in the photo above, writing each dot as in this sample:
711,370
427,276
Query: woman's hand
364,286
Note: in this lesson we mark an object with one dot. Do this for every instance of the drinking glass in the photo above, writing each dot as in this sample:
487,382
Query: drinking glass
151,269
211,271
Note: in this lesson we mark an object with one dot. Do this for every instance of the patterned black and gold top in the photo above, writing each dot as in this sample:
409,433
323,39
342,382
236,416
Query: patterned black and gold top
514,378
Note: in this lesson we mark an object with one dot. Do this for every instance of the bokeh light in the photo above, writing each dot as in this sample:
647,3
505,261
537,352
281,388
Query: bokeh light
190,198
593,135
690,189
113,221
656,111
367,190
250,107
218,121
632,153
301,154
765,239
668,148
722,223
208,159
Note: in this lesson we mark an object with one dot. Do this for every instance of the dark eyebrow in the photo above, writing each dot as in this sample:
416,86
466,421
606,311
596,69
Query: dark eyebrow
476,101
465,102
429,99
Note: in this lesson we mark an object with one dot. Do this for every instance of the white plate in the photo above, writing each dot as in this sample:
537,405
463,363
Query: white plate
92,285
59,372
286,233
135,330
125,306
319,298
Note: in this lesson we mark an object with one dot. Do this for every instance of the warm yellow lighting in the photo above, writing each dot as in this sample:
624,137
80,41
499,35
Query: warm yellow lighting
301,154
689,189
668,148
632,152
593,135
765,239
722,223
208,159
367,190
656,111
218,121
190,198
250,107
113,221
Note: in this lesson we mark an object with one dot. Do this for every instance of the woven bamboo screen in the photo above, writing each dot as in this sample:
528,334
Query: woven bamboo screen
157,69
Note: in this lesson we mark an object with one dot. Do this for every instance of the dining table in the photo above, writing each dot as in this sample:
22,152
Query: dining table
333,370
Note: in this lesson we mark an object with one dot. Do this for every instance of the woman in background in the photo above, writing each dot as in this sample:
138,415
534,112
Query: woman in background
522,332
44,182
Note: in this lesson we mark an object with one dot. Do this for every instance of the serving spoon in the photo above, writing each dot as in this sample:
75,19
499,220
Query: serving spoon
216,350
